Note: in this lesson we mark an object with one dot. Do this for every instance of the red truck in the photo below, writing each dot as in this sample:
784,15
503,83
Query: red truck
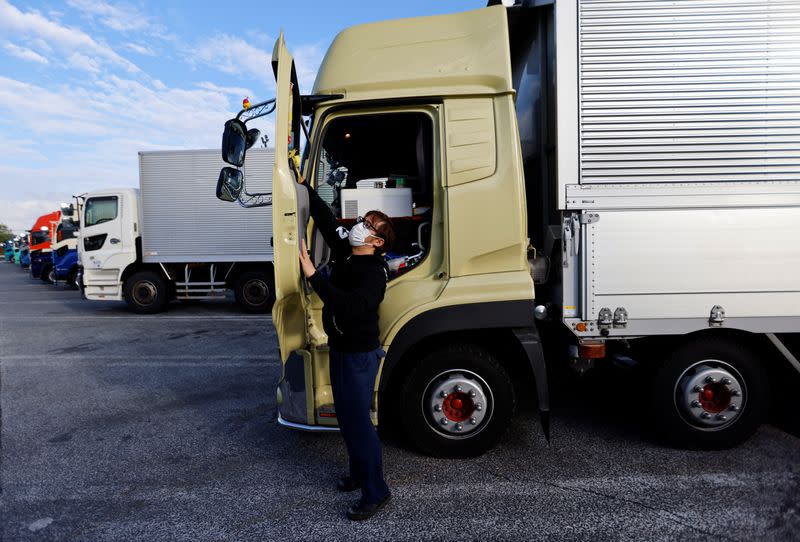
40,242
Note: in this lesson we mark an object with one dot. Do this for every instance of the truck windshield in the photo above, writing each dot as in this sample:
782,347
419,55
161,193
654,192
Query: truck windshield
39,237
101,209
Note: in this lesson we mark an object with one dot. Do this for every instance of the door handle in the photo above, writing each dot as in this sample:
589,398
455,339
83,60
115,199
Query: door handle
113,240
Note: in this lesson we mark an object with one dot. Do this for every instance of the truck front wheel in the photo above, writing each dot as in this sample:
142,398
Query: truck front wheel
48,274
255,291
145,292
457,402
710,394
72,278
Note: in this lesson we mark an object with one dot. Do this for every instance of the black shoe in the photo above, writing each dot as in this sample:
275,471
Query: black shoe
364,510
347,484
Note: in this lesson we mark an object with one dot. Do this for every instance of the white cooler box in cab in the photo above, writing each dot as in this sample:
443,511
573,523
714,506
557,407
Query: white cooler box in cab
392,201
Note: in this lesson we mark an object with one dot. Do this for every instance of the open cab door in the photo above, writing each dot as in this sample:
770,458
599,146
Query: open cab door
289,207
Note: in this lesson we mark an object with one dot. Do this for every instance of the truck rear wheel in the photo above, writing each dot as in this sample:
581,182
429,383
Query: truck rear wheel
710,394
145,292
457,402
255,291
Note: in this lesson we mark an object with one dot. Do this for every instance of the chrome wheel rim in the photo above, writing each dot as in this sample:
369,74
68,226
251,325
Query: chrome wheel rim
457,404
710,395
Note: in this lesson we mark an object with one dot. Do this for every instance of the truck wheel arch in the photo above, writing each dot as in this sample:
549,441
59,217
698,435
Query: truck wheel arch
498,323
135,268
240,268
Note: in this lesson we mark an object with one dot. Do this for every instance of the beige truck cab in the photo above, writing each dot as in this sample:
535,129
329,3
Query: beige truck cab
438,154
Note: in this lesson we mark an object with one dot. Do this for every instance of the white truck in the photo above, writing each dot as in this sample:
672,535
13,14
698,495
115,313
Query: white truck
171,239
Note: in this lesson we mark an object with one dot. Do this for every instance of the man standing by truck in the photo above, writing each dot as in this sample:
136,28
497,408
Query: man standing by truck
351,298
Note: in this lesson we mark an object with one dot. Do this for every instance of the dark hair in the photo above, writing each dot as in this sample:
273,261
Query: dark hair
385,231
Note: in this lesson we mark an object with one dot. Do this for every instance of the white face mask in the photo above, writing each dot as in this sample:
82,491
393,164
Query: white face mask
358,235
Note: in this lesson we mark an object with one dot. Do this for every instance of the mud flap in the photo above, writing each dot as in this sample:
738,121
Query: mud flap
529,339
293,387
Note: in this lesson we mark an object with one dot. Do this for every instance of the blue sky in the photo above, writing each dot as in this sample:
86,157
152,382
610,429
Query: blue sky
86,84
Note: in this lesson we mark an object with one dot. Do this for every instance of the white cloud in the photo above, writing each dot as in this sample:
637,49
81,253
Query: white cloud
84,133
20,215
23,150
36,26
122,18
307,59
41,45
141,49
83,62
56,111
24,53
91,133
230,54
240,92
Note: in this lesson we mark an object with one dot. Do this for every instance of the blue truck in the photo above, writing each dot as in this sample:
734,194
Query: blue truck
64,249
23,253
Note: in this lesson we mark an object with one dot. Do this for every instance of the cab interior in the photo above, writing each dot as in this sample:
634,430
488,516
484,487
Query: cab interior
380,161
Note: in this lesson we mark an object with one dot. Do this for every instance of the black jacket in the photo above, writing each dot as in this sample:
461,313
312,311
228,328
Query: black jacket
354,291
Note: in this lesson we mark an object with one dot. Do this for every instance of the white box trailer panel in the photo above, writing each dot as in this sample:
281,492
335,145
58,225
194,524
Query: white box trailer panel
684,92
183,221
668,268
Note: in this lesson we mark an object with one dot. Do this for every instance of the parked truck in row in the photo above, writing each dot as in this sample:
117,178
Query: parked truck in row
21,253
586,178
39,243
63,265
8,250
171,239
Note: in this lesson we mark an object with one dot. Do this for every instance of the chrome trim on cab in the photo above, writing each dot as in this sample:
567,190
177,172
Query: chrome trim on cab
304,427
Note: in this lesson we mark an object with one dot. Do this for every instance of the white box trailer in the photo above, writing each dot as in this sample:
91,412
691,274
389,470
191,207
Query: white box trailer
679,164
171,239
182,223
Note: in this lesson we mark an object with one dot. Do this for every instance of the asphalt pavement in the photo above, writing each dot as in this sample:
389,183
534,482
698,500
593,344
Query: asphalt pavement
123,427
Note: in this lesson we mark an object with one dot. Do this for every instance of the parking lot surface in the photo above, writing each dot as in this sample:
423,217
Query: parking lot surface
117,426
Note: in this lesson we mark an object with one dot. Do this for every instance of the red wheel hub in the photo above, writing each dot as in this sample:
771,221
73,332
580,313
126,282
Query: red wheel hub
715,397
458,406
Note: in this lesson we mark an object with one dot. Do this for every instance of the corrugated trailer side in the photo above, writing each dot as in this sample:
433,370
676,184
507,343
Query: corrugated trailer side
679,164
182,221
690,91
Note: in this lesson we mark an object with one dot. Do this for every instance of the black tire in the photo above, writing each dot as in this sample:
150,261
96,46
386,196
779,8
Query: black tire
255,291
743,403
72,278
48,275
145,292
442,369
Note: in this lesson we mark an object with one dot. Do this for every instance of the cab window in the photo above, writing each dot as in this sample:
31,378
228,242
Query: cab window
101,209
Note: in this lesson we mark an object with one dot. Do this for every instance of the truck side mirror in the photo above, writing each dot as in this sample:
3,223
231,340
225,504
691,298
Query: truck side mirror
229,184
252,136
234,142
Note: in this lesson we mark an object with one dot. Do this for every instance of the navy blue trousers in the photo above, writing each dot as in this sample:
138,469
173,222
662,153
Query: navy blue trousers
353,381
